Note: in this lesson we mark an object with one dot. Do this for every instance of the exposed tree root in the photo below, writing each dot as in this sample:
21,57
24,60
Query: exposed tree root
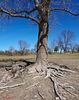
35,68
42,98
65,88
20,84
58,68
54,72
5,79
58,96
12,86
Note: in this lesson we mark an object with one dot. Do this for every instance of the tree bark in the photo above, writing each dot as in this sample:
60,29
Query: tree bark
42,52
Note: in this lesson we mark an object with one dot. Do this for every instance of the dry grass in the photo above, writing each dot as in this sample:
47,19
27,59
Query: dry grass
64,56
27,57
50,56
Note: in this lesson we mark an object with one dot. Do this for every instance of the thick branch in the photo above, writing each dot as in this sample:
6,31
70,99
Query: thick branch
10,13
65,10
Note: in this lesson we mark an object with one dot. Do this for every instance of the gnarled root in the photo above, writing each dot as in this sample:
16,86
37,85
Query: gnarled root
37,68
56,72
58,95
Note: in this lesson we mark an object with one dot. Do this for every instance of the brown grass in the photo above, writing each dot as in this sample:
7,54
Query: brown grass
33,56
64,56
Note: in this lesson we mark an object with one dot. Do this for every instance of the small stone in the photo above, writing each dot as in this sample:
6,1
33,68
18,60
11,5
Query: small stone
39,86
57,98
36,96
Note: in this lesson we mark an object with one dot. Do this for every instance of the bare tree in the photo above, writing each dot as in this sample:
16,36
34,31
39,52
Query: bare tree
60,44
38,11
53,45
76,48
65,40
23,46
12,50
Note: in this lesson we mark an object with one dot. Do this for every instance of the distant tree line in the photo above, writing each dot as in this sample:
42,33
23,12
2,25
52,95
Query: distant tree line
23,49
65,43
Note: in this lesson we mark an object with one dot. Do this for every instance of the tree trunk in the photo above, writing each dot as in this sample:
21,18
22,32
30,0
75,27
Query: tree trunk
42,53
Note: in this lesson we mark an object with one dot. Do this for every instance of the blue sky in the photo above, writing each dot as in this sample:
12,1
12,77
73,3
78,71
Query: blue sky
21,29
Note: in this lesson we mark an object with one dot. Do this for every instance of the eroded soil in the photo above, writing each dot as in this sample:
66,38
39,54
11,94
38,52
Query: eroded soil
38,87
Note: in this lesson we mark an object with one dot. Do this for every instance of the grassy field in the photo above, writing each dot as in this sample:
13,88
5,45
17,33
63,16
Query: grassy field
28,57
64,56
32,57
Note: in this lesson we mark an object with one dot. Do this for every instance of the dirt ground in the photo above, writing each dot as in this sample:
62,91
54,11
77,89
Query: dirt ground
71,63
36,87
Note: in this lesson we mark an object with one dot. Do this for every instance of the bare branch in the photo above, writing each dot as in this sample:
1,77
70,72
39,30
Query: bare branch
10,13
27,12
36,3
65,10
